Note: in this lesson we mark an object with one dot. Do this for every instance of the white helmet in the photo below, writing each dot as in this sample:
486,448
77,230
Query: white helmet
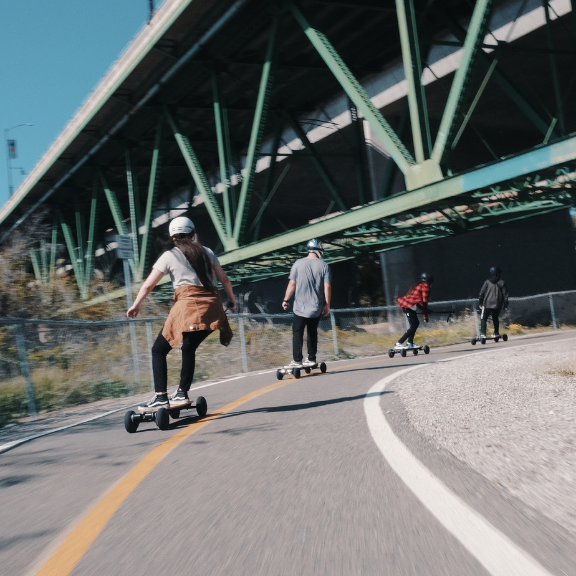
180,225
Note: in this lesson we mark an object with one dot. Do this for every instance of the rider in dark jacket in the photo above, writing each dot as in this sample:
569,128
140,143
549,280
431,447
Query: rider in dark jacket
493,297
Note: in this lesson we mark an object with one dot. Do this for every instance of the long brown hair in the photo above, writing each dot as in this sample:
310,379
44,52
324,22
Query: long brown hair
196,256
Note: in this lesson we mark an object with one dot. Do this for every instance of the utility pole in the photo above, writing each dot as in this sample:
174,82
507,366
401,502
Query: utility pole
11,155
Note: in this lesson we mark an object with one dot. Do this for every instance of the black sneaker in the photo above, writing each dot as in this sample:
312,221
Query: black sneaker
178,398
158,401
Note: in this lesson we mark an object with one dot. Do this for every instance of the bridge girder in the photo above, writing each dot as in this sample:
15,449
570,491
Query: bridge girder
208,144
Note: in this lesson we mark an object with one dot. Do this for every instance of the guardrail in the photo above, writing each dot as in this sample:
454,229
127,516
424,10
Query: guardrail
45,364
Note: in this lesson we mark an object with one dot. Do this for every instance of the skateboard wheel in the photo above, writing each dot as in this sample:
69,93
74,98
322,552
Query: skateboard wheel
279,374
307,370
391,353
505,337
473,341
201,406
296,372
496,339
415,352
403,353
323,367
175,413
483,340
129,423
162,418
426,349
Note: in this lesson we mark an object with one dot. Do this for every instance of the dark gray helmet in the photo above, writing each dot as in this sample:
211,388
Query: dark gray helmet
426,277
495,271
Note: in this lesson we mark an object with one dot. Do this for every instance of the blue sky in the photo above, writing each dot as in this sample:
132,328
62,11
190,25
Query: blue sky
52,54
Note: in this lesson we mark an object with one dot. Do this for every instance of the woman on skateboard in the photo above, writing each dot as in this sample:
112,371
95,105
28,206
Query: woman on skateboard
194,271
493,297
417,297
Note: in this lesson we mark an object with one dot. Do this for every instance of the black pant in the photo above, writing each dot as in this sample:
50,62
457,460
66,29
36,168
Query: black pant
298,337
160,350
494,312
414,323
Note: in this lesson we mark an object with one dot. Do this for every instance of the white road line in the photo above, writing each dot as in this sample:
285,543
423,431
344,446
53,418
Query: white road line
14,443
9,445
493,549
219,382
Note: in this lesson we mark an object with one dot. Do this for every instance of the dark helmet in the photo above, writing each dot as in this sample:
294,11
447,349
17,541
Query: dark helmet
426,277
495,271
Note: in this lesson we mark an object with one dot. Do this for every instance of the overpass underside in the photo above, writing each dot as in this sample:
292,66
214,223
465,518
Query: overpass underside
373,125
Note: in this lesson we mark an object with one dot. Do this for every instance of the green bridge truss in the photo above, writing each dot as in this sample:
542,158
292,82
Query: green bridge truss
168,112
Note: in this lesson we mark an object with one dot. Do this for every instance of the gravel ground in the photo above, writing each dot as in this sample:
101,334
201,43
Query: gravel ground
508,416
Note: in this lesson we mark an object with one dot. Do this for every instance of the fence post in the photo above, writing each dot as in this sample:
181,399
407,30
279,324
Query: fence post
135,363
474,308
334,334
135,356
242,344
25,370
150,344
554,323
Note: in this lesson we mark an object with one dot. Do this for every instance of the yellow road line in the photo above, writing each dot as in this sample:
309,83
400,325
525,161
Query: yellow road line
75,545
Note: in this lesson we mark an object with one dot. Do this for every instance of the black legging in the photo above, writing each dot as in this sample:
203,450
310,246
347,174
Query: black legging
191,341
486,312
414,323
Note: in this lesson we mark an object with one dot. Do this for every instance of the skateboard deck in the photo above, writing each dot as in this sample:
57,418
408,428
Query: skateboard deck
185,406
281,372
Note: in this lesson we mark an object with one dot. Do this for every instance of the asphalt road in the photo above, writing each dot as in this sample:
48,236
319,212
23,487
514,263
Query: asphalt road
289,482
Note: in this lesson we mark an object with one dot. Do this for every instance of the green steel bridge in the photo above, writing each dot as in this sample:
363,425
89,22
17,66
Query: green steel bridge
371,124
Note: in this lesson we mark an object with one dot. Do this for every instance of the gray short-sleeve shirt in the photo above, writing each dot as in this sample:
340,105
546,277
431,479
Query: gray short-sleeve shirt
310,275
173,262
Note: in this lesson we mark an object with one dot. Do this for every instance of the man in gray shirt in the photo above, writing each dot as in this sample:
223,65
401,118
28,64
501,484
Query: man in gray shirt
310,281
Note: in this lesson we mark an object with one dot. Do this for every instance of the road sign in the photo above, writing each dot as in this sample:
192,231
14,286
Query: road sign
125,248
12,149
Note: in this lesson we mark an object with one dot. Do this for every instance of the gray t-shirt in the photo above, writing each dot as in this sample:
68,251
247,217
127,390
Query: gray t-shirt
173,262
310,275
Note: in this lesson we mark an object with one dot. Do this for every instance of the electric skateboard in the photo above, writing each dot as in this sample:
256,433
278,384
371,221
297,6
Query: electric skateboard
161,416
296,372
403,351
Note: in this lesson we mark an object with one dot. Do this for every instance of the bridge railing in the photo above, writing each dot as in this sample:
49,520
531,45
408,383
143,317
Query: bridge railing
48,364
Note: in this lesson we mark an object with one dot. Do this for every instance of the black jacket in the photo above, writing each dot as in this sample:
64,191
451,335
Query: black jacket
494,294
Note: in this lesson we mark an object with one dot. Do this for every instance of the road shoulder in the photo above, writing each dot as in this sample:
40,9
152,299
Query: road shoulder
550,543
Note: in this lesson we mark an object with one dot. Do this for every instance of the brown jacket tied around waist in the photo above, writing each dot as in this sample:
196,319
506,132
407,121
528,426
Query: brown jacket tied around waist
196,308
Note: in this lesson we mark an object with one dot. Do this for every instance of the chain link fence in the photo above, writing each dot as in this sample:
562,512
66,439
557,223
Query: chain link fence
47,365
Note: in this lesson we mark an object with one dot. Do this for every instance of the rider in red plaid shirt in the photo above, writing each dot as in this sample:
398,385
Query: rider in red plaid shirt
417,297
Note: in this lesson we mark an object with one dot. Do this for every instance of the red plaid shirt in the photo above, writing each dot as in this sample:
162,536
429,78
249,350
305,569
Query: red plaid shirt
418,296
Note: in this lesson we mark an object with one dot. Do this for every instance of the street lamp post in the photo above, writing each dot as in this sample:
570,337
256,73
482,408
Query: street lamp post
9,157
